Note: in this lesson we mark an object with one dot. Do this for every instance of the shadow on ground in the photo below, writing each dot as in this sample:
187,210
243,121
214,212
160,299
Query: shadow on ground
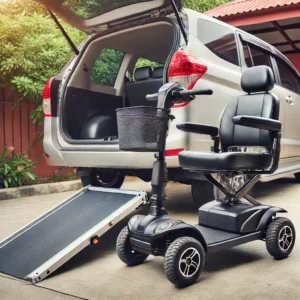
180,202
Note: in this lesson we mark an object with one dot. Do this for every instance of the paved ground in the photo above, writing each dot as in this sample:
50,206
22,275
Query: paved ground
245,272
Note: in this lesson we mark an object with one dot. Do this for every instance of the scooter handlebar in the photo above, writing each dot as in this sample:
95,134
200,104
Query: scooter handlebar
187,93
182,94
152,97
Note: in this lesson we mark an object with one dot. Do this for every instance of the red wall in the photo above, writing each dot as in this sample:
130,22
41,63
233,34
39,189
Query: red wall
17,130
295,59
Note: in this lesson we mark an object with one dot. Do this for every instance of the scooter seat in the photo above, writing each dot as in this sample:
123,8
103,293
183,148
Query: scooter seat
226,161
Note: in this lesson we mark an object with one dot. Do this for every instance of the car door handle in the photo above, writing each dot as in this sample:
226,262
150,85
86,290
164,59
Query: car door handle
289,100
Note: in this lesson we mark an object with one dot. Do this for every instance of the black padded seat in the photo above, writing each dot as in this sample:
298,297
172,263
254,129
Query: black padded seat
146,82
258,102
226,161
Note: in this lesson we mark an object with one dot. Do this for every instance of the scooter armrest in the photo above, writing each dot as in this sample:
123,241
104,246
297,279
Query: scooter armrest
258,122
199,128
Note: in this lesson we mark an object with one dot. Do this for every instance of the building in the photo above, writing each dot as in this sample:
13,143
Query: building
274,21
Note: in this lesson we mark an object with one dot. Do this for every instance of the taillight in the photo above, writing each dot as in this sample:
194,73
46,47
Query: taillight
186,69
173,152
47,99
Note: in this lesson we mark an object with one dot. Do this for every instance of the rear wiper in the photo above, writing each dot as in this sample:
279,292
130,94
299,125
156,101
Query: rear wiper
179,20
73,46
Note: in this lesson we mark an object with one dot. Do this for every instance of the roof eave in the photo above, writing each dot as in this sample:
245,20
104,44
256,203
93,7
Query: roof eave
261,16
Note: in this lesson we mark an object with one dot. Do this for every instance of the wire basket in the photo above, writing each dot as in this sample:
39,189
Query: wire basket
142,128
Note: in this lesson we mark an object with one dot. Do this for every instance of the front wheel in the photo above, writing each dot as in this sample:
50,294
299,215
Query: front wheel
184,261
126,253
280,238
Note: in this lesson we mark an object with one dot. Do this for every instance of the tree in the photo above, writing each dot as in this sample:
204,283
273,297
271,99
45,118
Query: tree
32,49
203,5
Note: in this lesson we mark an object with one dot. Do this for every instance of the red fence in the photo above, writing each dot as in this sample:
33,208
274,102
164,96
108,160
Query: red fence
17,130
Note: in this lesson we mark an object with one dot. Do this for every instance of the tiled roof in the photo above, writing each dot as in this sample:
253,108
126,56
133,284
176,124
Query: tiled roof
244,6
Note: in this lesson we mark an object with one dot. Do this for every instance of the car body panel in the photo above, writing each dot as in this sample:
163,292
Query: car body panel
204,109
94,20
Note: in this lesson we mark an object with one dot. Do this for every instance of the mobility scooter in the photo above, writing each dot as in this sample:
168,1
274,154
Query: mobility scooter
250,120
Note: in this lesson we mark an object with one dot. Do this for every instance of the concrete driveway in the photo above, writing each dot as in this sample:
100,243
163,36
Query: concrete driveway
244,272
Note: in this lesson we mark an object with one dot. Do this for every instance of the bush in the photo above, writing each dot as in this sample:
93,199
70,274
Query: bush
32,48
14,169
203,5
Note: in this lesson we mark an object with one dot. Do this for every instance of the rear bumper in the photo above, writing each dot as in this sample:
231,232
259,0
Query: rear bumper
99,156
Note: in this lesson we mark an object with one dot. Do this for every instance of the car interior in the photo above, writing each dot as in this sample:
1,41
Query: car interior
89,108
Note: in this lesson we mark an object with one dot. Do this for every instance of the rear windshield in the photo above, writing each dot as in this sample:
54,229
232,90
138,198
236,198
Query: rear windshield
88,9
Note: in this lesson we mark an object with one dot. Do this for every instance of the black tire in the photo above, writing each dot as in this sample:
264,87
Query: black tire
125,252
280,238
106,180
297,177
183,248
202,192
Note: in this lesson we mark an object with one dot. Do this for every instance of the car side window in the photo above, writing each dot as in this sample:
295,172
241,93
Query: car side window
255,57
218,39
106,67
288,77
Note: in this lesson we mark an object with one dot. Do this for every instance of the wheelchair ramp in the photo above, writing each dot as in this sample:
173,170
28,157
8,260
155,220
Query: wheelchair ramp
41,247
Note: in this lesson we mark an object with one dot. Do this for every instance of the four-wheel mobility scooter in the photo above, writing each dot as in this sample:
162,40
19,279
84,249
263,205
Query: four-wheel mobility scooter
250,120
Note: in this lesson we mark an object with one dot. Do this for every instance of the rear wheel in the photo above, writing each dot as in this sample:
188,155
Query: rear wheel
126,253
103,179
184,261
297,176
280,238
202,192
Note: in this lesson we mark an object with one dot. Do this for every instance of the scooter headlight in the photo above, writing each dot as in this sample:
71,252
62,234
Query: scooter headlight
163,226
132,221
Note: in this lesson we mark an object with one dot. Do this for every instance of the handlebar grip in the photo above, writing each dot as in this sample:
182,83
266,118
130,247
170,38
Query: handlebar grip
152,97
196,92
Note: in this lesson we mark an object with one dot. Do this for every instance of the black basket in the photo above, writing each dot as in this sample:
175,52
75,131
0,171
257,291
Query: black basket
142,128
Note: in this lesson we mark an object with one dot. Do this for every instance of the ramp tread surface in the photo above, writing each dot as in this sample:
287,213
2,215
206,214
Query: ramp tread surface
36,245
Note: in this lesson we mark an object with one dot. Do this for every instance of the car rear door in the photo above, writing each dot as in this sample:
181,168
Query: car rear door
289,87
254,54
92,16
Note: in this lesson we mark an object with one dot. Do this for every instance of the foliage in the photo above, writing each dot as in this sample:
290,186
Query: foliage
106,67
15,7
32,48
203,5
88,9
145,62
14,169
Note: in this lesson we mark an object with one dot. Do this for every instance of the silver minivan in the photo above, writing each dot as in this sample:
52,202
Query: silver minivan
134,47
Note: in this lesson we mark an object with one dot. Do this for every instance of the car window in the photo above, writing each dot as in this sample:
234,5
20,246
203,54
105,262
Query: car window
219,39
288,78
106,67
93,8
254,57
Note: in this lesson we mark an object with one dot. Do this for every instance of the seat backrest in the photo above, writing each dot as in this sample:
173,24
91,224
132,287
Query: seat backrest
146,82
257,82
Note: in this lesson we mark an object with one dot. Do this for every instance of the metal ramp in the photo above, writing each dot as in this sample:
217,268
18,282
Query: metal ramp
38,249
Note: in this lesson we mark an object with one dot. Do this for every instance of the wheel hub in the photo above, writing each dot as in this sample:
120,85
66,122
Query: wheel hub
285,238
189,262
